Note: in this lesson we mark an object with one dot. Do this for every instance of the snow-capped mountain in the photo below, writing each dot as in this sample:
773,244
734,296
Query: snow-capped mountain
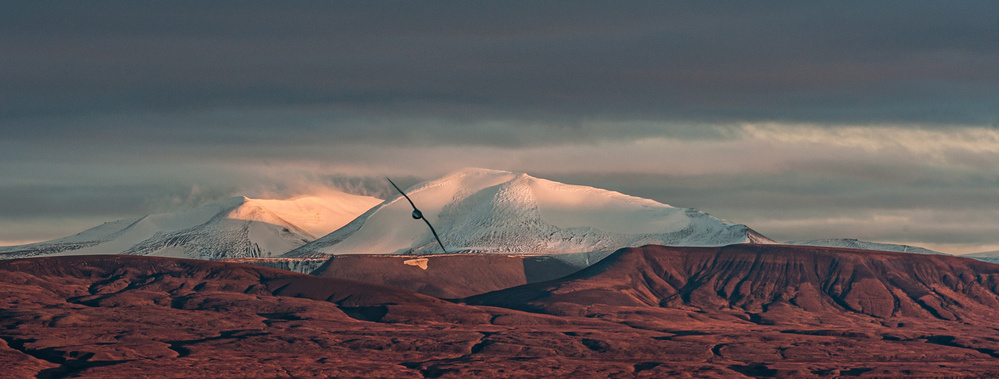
237,227
987,256
499,212
851,243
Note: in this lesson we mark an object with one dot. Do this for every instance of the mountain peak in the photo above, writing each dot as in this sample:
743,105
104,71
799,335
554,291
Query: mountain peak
235,227
492,211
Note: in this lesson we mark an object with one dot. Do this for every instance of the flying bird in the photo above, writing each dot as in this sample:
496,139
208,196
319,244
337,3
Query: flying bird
417,215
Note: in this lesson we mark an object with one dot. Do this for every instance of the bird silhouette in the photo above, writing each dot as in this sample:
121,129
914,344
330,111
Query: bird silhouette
417,215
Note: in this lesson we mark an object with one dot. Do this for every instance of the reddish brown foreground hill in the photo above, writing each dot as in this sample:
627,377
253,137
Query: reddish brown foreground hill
771,283
446,276
650,312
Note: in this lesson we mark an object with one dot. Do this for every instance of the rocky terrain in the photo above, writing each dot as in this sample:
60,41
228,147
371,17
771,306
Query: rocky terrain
741,310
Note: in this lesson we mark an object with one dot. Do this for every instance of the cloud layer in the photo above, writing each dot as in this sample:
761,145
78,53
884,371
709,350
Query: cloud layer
850,119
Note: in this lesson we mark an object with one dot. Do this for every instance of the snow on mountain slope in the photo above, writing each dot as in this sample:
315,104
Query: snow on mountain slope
851,243
987,256
489,211
319,214
232,228
984,254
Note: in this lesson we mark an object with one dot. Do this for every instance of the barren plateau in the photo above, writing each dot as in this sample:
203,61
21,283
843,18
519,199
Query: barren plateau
740,310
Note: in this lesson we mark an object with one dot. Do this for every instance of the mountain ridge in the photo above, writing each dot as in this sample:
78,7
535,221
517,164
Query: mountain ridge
853,243
770,282
236,227
500,212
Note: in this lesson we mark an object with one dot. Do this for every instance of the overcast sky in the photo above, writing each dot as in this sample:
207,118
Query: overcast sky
876,120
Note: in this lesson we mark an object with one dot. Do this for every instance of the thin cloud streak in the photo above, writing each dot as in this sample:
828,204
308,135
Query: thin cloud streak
935,144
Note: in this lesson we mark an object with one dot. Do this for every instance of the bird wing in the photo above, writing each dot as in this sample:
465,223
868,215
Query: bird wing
432,230
403,194
435,235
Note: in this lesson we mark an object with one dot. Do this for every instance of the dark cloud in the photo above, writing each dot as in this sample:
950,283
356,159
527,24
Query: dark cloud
925,61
